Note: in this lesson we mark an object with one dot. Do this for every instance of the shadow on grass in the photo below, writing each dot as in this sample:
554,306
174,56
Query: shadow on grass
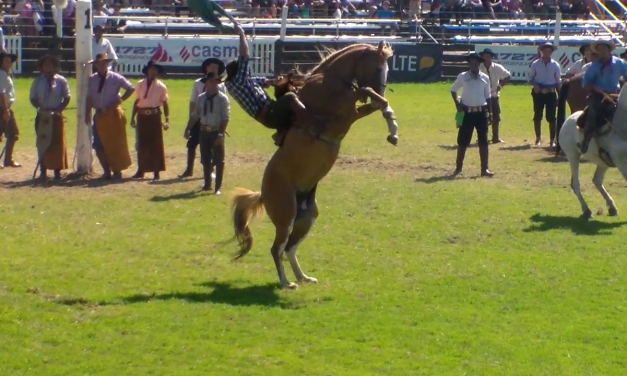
68,181
436,179
516,147
560,159
222,293
177,196
454,147
577,225
172,181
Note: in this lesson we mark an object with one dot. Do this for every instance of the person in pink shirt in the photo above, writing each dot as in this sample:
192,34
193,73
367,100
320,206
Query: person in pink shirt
152,95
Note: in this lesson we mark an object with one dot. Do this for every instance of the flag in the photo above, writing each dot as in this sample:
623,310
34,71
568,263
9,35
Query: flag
207,9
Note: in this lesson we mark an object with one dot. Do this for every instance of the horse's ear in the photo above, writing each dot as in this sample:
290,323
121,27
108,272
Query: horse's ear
380,47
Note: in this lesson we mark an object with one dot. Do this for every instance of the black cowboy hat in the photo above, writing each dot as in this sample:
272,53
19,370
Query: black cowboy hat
100,57
211,76
487,51
583,47
546,45
4,54
53,59
160,68
213,60
473,55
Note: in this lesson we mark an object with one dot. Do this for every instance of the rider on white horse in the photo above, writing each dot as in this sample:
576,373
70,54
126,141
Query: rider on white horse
603,77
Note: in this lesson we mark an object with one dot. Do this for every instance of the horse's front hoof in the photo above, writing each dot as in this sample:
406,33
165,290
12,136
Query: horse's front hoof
290,286
309,279
612,212
587,214
392,140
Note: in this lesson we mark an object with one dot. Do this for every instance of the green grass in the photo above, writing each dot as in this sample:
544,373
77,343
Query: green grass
419,275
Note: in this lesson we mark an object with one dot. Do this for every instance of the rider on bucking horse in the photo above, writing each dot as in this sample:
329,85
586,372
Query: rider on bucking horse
602,78
250,94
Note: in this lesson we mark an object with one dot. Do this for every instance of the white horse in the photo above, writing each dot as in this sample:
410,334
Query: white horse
606,151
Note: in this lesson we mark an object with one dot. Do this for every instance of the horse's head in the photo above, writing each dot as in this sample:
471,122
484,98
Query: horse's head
372,67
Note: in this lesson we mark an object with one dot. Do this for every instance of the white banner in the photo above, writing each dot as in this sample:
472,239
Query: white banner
518,59
134,52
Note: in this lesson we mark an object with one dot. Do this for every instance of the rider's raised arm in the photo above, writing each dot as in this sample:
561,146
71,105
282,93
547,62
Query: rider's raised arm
243,43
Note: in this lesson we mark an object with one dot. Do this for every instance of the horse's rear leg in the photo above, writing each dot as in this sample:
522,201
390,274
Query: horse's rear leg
280,241
599,175
574,184
299,232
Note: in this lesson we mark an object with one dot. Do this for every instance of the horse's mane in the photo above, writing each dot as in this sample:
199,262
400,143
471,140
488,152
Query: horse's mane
329,55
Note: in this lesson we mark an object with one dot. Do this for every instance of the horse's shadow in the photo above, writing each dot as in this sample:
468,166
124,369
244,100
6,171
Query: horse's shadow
177,196
222,293
577,225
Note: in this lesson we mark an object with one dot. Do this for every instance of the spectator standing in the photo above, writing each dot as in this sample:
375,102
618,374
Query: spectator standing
499,77
545,77
101,45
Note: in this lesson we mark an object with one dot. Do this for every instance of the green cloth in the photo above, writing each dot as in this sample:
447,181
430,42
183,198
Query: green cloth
459,118
207,9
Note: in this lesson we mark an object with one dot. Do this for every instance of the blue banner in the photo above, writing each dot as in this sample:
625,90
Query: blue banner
416,63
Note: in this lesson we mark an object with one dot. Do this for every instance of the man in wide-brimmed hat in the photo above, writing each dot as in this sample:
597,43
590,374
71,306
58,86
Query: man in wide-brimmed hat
212,113
499,77
109,123
586,56
476,108
152,95
102,45
8,126
50,95
211,65
603,77
545,75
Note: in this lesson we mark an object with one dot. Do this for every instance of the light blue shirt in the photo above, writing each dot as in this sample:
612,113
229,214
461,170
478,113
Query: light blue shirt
606,76
546,76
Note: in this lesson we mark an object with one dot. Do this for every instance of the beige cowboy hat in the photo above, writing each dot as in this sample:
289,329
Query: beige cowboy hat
546,45
100,57
596,44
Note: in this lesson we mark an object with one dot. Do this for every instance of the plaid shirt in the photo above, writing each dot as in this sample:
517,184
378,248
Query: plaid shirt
248,91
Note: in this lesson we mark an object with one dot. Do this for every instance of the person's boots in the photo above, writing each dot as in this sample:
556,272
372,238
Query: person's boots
8,154
219,176
552,133
461,153
538,128
156,176
483,154
495,134
105,165
43,175
207,173
138,175
191,157
57,174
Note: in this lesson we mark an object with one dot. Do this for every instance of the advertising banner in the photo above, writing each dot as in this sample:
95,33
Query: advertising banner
415,63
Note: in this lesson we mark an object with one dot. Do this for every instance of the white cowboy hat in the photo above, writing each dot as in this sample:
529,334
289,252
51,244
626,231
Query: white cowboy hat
609,43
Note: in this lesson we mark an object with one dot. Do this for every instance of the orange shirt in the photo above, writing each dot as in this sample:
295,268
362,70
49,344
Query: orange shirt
157,94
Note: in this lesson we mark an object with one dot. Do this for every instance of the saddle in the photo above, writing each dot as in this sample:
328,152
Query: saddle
605,114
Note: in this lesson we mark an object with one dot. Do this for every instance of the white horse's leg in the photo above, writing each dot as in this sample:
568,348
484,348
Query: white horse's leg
599,175
300,231
574,184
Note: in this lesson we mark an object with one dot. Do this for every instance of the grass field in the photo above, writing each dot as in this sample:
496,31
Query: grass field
419,274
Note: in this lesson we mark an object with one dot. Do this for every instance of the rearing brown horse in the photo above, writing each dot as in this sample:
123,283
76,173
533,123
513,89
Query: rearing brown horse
308,153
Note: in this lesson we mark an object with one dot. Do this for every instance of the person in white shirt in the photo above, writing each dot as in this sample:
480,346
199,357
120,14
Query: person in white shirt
499,77
477,111
211,65
102,45
578,66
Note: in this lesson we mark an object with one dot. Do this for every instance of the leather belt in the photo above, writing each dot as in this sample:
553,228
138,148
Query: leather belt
473,108
547,91
149,111
209,128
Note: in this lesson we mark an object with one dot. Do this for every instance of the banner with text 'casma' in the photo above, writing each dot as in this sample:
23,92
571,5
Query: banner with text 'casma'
415,63
190,51
518,59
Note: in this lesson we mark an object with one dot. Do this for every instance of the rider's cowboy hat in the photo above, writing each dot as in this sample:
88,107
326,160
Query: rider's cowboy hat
596,44
4,54
583,47
473,56
546,45
213,60
211,76
487,51
51,58
100,57
151,63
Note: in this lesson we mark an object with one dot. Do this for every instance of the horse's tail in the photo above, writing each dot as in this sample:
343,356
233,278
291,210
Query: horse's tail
247,205
561,112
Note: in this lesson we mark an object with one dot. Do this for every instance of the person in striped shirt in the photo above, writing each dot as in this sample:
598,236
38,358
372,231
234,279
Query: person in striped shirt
249,92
